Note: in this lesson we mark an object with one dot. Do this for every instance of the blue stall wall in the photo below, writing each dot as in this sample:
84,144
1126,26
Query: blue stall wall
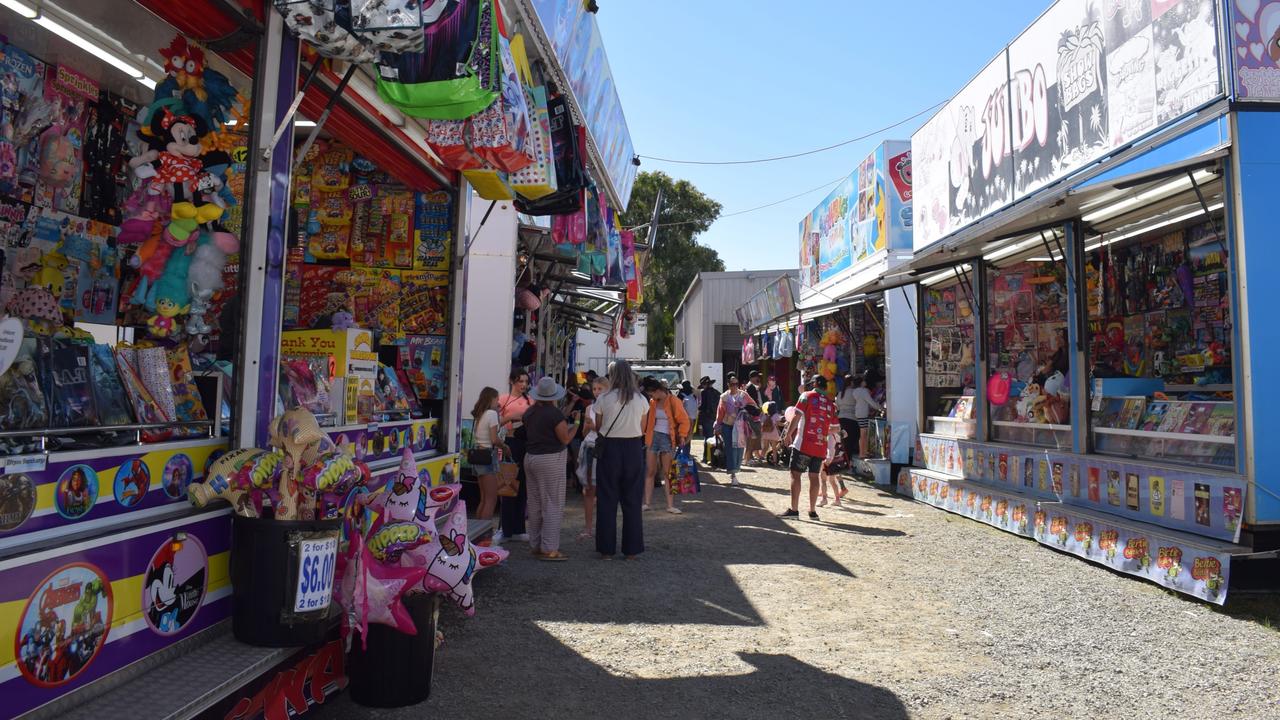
1258,157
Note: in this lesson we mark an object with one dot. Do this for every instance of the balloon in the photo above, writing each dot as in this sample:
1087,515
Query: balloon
390,540
829,353
335,471
372,592
452,561
998,387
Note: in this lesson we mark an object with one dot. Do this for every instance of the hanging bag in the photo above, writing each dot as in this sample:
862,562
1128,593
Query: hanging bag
457,74
568,143
538,179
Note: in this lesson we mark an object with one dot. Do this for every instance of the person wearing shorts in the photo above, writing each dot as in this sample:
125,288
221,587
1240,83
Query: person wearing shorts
665,429
807,436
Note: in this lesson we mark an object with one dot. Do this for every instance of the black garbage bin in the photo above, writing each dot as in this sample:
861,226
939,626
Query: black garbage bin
265,575
394,669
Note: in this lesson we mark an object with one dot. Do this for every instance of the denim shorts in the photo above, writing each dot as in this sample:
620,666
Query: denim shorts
490,469
661,444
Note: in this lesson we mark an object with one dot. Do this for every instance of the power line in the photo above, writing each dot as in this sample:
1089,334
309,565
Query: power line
801,154
750,210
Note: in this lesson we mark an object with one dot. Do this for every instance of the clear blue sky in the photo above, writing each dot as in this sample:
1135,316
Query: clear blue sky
721,80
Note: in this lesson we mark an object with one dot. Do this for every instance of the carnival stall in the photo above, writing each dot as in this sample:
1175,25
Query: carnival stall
1085,297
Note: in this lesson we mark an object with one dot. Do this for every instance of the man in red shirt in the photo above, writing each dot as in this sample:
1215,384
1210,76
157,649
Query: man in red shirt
807,437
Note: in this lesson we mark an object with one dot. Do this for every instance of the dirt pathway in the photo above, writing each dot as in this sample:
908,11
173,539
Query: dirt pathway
883,609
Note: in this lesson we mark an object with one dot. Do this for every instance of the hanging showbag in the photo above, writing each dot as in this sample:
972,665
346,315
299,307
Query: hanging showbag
393,25
457,75
495,140
569,231
748,352
326,26
569,144
489,182
539,178
786,344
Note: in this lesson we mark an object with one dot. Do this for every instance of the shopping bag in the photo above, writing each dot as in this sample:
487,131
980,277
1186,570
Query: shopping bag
682,477
508,479
391,25
568,144
325,30
489,182
457,74
538,179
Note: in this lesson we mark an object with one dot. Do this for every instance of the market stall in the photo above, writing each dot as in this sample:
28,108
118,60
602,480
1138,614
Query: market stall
123,173
1092,399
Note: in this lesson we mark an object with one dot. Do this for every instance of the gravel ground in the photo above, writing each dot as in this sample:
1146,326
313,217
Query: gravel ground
883,609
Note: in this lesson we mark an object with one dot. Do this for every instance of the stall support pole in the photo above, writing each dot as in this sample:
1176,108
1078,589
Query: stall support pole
978,298
453,409
263,257
1255,185
1077,327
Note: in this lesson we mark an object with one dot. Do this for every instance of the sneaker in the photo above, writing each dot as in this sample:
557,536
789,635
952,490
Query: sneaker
497,537
733,480
522,537
675,510
823,502
790,514
813,515
644,508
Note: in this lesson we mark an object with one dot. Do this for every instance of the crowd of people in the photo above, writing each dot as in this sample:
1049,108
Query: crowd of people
617,436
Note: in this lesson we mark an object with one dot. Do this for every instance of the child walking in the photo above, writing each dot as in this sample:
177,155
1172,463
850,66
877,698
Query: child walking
827,477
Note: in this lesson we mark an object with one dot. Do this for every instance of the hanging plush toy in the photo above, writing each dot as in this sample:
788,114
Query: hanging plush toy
171,296
204,277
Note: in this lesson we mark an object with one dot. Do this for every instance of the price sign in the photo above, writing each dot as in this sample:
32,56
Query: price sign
316,562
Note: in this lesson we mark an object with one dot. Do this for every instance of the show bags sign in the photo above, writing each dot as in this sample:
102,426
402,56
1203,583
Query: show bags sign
1089,77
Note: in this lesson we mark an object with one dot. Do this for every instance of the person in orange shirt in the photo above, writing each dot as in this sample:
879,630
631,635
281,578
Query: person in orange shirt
666,428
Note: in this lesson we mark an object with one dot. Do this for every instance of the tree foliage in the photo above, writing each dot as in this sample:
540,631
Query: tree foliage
676,258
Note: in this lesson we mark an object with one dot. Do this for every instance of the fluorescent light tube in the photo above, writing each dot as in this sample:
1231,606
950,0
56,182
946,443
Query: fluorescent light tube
87,45
1014,248
21,8
943,275
1143,230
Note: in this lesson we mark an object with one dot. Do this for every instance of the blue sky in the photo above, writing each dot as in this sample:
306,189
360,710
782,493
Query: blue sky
721,80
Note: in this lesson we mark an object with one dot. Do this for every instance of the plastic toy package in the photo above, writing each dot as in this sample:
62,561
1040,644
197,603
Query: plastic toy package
22,402
304,382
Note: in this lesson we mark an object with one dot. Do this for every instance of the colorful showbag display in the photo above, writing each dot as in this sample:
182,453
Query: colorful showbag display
319,26
394,26
569,144
629,272
539,178
489,182
457,73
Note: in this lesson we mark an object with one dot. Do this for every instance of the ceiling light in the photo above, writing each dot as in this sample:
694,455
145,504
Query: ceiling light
21,8
1158,192
1156,226
945,274
304,123
87,45
1011,249
579,274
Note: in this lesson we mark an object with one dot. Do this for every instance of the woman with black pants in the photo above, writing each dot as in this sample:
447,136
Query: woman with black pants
846,405
620,463
511,410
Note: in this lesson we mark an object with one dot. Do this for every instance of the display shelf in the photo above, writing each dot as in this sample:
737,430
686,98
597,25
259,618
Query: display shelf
1155,435
1220,388
1030,426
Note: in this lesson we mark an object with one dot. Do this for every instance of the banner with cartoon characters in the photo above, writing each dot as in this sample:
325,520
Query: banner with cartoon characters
1087,78
1255,35
1207,504
867,212
1193,566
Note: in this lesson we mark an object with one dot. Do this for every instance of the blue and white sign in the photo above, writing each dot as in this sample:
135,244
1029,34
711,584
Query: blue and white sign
316,562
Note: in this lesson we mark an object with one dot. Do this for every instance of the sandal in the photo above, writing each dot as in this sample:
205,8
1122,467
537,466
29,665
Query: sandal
554,556
585,535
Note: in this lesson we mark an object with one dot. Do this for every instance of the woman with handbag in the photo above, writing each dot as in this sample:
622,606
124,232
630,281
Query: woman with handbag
587,462
729,413
620,414
547,435
487,450
511,410
665,429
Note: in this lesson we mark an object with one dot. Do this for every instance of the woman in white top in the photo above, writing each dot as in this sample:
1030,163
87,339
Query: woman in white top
619,417
863,404
586,460
846,410
487,435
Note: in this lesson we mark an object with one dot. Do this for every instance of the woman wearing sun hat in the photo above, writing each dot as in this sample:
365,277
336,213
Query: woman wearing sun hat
547,435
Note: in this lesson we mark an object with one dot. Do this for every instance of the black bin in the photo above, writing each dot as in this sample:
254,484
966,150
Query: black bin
394,670
264,575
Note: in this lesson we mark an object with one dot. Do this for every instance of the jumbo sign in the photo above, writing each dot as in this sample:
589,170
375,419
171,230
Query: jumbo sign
1088,78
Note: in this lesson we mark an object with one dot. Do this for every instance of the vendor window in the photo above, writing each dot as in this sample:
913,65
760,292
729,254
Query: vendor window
948,354
1028,356
1160,343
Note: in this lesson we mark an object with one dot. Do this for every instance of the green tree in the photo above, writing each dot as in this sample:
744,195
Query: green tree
676,257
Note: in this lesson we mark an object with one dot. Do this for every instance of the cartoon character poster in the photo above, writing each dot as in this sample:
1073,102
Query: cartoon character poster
133,479
63,625
77,492
17,500
174,585
1256,36
177,476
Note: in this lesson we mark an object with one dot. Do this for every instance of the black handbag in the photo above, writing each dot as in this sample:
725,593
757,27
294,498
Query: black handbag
480,456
